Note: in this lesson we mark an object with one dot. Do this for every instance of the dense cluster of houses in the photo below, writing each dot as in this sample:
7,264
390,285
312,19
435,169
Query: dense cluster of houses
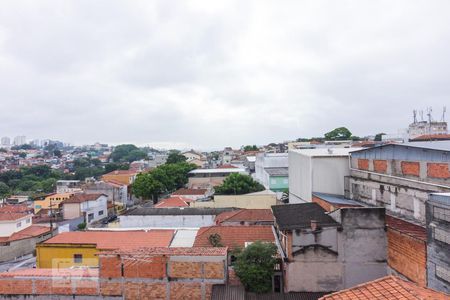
348,221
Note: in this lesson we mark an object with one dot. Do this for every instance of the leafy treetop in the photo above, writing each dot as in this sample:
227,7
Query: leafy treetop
238,184
255,266
340,133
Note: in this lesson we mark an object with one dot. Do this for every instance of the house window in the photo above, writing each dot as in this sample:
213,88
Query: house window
100,213
90,217
28,221
19,224
78,258
37,206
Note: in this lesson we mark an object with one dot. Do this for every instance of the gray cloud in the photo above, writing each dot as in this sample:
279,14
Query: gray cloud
215,73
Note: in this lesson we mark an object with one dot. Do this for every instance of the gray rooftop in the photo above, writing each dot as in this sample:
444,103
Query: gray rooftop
186,211
277,171
336,199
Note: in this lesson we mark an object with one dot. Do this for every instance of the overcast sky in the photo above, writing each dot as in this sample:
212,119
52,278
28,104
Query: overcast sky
210,74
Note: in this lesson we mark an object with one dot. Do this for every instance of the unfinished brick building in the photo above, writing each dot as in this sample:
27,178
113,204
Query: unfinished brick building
151,273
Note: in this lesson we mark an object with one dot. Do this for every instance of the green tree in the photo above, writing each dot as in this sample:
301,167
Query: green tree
42,171
147,187
22,154
116,166
174,157
250,148
4,190
255,266
126,152
340,133
57,153
379,137
238,184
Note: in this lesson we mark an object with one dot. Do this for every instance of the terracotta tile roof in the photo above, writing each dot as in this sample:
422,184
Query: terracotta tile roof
191,192
29,232
12,216
85,272
173,202
234,236
387,288
406,227
185,251
249,215
123,172
80,198
121,240
226,167
432,137
114,182
16,208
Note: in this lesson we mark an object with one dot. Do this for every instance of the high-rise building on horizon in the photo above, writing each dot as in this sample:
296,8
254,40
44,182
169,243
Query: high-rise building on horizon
20,140
6,141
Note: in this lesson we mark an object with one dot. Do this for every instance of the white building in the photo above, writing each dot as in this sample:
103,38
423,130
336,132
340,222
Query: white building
6,142
92,206
265,161
20,140
11,223
317,170
68,186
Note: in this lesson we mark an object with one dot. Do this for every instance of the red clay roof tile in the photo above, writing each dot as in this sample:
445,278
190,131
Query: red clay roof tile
387,288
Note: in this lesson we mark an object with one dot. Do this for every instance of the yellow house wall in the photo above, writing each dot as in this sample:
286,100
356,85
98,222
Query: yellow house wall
61,255
239,201
45,204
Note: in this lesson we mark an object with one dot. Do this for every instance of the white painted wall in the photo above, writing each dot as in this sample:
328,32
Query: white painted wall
95,207
323,174
166,221
7,228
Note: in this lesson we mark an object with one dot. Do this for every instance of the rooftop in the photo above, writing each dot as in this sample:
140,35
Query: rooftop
122,172
336,199
243,215
80,198
234,236
175,211
177,251
84,272
277,171
325,152
297,216
173,202
213,171
189,192
12,216
29,232
121,240
432,137
387,288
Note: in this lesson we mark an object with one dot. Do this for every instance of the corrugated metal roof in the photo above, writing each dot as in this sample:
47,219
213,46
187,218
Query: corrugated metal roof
336,199
227,292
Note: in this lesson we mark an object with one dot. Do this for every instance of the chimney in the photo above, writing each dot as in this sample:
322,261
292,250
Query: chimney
314,225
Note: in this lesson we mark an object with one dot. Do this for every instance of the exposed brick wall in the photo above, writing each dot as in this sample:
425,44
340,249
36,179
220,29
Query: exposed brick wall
213,270
185,269
410,168
144,278
407,256
380,166
363,164
151,267
438,170
182,290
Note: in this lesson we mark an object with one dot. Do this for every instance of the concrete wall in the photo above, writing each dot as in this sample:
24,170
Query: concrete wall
338,257
438,243
399,196
20,248
115,193
308,174
239,201
71,210
166,221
